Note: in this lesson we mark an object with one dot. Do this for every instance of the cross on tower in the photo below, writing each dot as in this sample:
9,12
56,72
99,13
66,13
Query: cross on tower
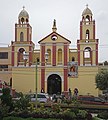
86,5
23,7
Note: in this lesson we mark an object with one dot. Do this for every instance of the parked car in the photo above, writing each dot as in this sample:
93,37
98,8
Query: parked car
1,92
41,97
89,99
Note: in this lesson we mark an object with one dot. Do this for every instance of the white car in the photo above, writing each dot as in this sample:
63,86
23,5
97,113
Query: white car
1,92
41,97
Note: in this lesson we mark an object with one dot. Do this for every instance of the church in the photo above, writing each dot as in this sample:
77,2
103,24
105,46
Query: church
54,66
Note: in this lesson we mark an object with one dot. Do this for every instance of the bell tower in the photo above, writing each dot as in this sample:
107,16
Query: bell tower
23,40
87,44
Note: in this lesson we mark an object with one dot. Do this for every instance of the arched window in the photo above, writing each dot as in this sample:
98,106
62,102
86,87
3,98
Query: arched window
87,56
87,34
21,36
10,82
59,56
27,20
49,56
83,18
22,20
20,55
38,61
73,59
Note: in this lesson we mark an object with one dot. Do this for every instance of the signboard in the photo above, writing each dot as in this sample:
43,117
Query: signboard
72,69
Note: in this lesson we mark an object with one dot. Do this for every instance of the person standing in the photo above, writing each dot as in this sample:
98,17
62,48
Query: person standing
70,94
75,92
42,90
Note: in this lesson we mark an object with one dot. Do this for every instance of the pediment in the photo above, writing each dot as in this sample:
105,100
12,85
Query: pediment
54,37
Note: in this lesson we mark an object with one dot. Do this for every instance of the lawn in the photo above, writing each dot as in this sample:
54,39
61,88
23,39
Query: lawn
17,118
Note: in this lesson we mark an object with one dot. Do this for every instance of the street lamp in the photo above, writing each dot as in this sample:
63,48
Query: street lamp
46,58
25,56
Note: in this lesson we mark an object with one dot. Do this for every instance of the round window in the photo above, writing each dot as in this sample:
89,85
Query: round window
54,37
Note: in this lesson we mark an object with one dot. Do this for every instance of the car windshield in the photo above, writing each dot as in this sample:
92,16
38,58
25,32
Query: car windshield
87,98
96,99
39,95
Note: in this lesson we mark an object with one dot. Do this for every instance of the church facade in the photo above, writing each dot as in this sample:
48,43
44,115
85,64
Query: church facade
65,67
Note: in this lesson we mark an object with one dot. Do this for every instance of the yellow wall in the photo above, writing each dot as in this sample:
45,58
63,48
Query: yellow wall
85,81
73,53
24,30
24,79
5,75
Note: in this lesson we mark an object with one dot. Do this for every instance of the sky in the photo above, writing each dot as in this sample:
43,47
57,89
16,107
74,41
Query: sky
68,14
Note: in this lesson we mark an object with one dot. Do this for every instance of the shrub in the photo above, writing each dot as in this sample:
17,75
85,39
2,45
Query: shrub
55,107
3,111
22,103
103,115
12,118
82,114
6,98
69,115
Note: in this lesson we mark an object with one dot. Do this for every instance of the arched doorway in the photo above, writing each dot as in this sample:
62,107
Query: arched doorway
54,84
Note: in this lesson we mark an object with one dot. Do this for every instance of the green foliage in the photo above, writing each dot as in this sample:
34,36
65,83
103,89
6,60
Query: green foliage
12,118
82,113
96,118
6,98
101,80
103,115
68,115
68,101
18,118
75,102
19,94
3,111
55,107
23,111
22,103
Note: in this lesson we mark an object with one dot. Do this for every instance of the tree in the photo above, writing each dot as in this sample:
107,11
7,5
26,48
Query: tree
101,80
6,98
105,63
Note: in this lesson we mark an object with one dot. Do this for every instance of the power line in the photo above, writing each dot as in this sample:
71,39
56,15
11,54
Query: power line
71,45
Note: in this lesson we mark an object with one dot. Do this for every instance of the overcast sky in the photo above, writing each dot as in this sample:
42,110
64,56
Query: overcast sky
67,14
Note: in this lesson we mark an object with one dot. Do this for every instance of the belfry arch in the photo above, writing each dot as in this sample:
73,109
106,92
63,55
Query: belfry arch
20,55
87,56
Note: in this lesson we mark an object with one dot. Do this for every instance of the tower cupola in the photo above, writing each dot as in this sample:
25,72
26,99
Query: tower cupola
23,16
87,14
87,11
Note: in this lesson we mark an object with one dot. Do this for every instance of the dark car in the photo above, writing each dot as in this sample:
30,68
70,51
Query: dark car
88,99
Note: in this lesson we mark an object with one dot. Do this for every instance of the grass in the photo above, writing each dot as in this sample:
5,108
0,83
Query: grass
18,118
